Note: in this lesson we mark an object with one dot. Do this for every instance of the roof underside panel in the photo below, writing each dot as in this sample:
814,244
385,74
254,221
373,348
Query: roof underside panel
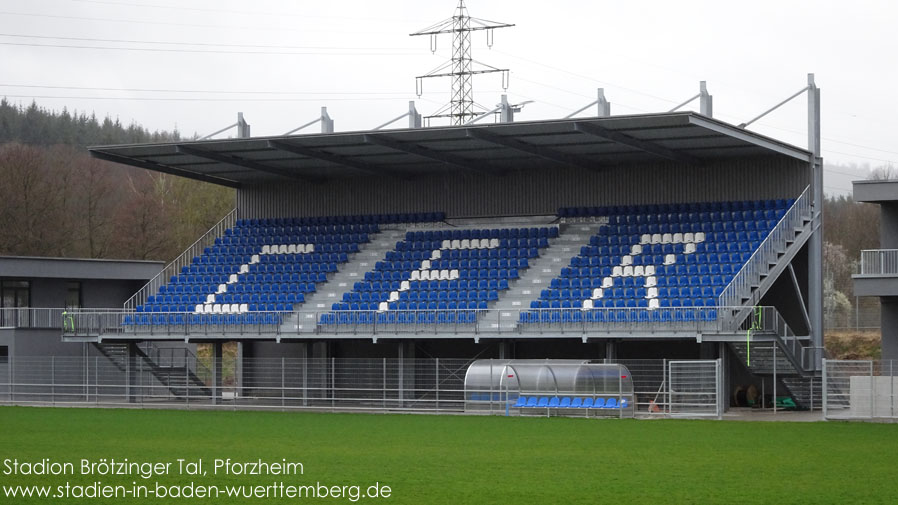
590,143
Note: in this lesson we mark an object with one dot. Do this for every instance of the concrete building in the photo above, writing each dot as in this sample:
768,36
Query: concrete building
878,271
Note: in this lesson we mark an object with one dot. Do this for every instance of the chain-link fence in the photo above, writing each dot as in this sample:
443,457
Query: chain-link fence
180,380
863,390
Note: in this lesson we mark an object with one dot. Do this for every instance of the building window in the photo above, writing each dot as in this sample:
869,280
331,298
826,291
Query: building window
15,293
4,354
73,295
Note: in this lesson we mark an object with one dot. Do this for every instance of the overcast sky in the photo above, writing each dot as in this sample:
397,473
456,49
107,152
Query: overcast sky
193,64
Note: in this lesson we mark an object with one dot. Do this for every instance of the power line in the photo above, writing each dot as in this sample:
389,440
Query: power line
185,25
201,99
230,11
206,44
142,90
161,50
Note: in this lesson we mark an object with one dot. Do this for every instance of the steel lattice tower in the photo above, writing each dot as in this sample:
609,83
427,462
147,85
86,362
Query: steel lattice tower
461,67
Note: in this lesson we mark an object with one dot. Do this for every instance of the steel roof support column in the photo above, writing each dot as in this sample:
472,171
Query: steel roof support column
506,111
327,124
603,104
706,101
815,244
242,127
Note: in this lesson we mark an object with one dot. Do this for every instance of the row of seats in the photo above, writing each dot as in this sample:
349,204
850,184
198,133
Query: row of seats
687,291
625,303
468,234
490,293
414,217
399,317
435,285
214,319
684,218
564,402
620,315
434,245
668,233
570,274
267,231
259,242
669,208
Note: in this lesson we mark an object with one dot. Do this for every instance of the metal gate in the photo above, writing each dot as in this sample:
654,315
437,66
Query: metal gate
860,389
694,388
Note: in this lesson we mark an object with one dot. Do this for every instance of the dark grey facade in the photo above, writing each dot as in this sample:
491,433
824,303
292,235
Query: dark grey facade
531,192
30,324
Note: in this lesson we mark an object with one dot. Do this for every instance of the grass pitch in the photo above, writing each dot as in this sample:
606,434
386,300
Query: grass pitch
463,459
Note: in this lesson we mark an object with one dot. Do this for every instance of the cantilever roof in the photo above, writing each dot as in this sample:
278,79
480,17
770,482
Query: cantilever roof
590,143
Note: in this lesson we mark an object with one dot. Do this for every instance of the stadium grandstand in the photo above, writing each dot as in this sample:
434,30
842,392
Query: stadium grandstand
668,235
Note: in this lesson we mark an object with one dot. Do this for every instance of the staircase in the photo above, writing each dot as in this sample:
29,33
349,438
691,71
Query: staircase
537,277
806,391
757,276
770,260
305,320
179,378
804,387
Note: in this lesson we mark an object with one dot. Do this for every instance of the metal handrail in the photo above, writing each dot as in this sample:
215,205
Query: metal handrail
184,259
117,323
773,244
878,262
37,317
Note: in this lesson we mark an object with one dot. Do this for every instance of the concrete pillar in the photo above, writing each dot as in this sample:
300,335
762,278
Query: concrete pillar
132,372
610,350
217,356
889,319
723,352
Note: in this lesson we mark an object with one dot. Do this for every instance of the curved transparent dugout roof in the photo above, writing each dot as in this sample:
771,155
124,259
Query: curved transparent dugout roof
491,379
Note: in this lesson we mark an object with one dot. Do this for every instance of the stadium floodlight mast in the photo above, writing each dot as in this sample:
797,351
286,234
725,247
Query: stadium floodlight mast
460,68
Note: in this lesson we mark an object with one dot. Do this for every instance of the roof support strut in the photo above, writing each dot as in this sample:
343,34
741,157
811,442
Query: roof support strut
242,162
543,152
447,158
643,145
158,167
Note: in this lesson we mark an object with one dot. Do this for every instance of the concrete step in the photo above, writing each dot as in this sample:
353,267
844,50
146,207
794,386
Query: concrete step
540,274
343,280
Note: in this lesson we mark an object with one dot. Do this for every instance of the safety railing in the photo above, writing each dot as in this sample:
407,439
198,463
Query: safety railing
878,262
759,262
37,317
550,322
186,257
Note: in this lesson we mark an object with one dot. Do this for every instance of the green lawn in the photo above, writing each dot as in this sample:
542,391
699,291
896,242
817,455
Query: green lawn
460,459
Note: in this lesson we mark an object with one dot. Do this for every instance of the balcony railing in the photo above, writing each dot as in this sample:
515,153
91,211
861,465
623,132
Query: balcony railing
471,322
879,262
39,318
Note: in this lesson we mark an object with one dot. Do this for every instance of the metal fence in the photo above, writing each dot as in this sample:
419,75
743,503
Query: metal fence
860,390
40,318
879,262
178,380
695,388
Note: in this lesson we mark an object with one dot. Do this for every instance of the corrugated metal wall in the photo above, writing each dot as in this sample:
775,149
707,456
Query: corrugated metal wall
537,192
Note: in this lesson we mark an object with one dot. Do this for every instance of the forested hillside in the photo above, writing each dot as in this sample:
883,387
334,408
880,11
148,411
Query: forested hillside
56,200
